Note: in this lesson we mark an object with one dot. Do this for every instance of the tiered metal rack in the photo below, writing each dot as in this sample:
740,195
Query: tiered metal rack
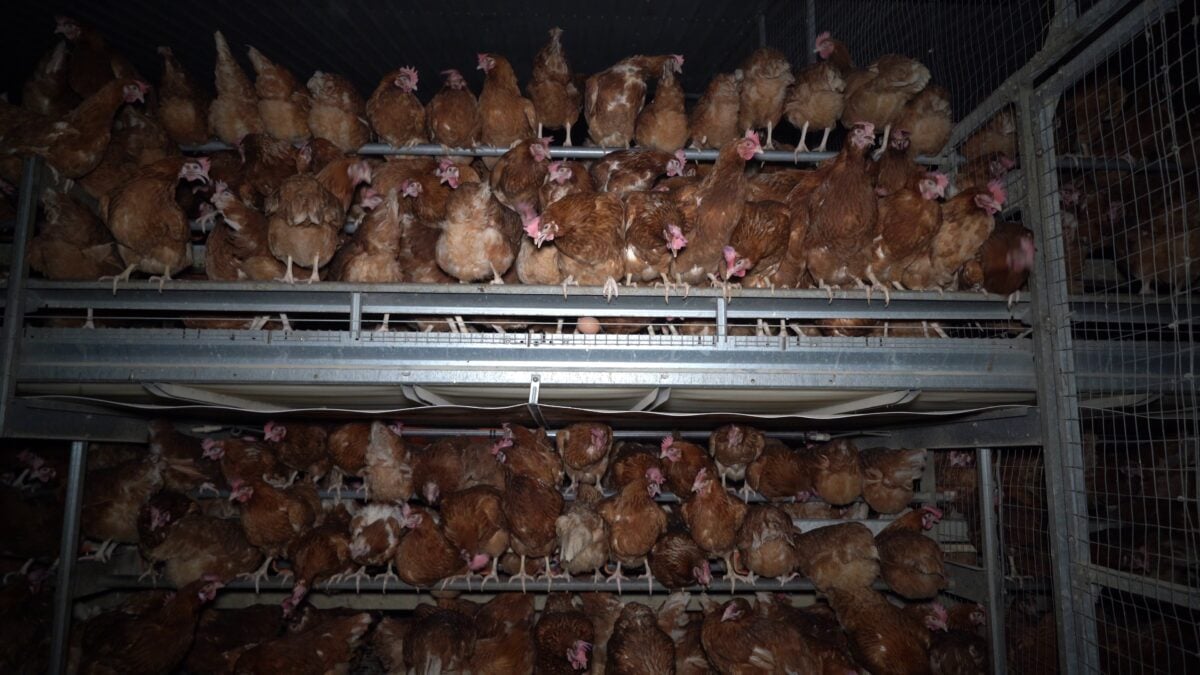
1023,377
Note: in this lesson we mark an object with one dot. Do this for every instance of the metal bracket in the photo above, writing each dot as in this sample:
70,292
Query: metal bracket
535,409
14,307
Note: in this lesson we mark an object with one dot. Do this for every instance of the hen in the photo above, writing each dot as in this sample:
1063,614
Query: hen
960,649
634,521
883,637
562,179
663,123
90,65
318,555
75,144
234,112
888,477
223,634
766,542
626,171
758,245
818,96
237,249
530,453
154,640
507,117
113,499
638,646
519,173
587,231
838,556
614,97
47,92
838,478
425,555
843,216
908,221
584,448
283,103
441,640
896,169
373,254
1005,259
563,637
683,460
532,509
718,201
338,112
910,562
780,472
151,231
926,119
478,235
327,644
714,121
734,447
998,135
273,518
818,624
297,446
677,561
182,105
737,640
452,115
556,99
474,522
766,78
72,244
582,534
877,96
305,215
394,111
967,221
388,473
504,636
714,517
653,236
375,533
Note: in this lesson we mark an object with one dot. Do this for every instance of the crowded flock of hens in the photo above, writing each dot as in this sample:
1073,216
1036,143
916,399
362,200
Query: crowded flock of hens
293,202
518,506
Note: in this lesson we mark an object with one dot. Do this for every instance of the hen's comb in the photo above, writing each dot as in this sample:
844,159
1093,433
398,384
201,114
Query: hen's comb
823,37
942,180
681,156
667,442
753,135
998,191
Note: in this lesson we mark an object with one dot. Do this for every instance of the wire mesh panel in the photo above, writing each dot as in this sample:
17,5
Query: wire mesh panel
1128,198
969,47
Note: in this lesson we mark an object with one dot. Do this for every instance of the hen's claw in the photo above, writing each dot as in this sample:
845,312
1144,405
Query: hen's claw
123,276
618,577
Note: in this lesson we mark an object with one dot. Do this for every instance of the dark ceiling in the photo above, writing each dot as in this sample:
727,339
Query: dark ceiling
969,45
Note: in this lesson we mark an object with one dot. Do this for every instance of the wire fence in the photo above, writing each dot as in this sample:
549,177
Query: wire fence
1128,200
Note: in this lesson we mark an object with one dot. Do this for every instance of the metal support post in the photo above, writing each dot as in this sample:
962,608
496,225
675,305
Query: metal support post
1074,604
14,309
993,565
64,593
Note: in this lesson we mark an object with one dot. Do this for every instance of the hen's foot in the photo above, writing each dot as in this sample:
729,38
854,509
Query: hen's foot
829,289
494,575
123,276
101,553
315,277
287,277
824,141
522,575
383,327
569,281
389,574
1014,298
611,289
207,487
618,577
648,576
259,574
162,280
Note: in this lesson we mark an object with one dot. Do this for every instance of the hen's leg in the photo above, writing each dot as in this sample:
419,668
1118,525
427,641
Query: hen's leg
494,575
824,140
667,285
259,574
800,146
570,280
123,276
732,575
91,325
314,277
648,576
821,284
887,132
859,283
287,326
618,577
496,280
522,575
539,133
162,280
287,277
611,289
389,574
1013,298
567,142
383,327
770,139
358,576
887,295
